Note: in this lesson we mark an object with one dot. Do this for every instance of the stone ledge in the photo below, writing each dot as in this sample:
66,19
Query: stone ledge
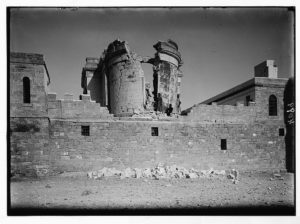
30,58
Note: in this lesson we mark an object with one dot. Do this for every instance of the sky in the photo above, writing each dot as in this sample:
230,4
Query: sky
219,46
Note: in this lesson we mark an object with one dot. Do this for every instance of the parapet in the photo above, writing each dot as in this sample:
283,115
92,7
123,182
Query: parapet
214,113
68,108
27,58
266,69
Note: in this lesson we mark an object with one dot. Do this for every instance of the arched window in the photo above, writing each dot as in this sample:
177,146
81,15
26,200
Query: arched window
26,90
272,105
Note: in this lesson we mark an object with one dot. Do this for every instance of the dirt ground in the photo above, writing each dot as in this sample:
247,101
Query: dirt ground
78,192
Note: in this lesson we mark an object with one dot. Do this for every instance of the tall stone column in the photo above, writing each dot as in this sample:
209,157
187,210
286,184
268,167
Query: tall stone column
125,79
167,75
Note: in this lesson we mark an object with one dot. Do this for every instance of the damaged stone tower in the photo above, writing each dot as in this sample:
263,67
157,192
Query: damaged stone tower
167,75
125,79
116,80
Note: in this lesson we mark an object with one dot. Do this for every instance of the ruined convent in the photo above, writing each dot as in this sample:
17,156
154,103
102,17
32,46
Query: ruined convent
120,120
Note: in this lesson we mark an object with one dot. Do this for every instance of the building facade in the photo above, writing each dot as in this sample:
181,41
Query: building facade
49,136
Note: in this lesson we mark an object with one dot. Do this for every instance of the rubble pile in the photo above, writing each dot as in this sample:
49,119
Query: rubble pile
160,172
154,115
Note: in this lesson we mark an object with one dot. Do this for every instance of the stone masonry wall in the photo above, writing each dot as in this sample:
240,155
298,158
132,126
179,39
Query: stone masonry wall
222,114
262,94
239,97
122,144
125,84
167,83
29,147
22,65
68,108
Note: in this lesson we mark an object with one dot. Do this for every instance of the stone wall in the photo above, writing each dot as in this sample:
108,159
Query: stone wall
48,136
125,79
68,108
124,144
214,113
31,66
126,92
29,147
167,84
239,97
263,90
61,147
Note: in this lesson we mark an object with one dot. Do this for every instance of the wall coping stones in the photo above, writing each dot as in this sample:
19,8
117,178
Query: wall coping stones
29,58
68,97
51,96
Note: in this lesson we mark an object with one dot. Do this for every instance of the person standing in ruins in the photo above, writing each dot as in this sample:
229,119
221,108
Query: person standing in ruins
169,110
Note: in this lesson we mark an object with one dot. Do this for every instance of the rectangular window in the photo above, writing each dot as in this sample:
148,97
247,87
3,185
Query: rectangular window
154,131
223,144
85,130
281,131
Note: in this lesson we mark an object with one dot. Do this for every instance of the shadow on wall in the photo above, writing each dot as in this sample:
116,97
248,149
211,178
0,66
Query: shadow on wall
289,119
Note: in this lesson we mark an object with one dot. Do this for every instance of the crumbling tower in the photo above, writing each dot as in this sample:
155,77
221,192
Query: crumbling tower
167,76
116,79
125,79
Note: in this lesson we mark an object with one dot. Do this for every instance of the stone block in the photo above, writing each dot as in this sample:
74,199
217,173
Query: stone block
51,97
85,97
68,97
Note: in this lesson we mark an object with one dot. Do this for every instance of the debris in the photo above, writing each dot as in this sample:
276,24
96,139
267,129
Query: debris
235,173
138,173
147,173
161,171
85,193
192,175
235,181
230,176
47,186
278,176
90,175
220,172
129,173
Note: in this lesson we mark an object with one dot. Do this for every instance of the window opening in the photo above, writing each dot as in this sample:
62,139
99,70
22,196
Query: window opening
85,130
248,99
26,90
223,144
154,131
272,105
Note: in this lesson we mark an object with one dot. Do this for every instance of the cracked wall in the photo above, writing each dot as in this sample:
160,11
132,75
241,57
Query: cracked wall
125,80
167,76
166,84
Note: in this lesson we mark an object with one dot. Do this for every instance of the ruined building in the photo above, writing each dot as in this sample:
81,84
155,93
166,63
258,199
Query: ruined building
119,121
117,81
